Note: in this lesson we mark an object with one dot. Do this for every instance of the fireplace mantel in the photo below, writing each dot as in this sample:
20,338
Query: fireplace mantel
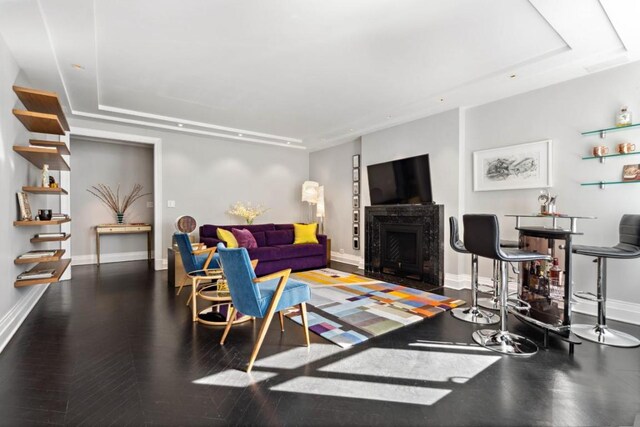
425,220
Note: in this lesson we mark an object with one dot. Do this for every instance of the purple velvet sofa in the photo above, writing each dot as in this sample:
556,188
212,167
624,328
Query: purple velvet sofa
275,250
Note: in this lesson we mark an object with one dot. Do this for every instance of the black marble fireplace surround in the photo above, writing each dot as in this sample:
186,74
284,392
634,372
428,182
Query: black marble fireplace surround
405,244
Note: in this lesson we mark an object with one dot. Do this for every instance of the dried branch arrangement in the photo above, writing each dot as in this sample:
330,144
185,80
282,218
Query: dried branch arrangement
112,199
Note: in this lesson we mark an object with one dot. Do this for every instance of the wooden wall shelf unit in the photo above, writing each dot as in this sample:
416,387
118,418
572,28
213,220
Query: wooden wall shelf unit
61,146
42,101
39,122
58,266
45,190
43,114
40,223
40,156
56,257
49,239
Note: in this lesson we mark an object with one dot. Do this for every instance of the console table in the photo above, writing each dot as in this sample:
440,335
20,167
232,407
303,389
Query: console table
123,229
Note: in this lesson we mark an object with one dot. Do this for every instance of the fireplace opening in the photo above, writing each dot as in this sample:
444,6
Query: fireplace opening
402,250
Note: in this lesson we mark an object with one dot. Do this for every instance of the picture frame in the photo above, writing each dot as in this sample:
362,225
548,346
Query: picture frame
356,174
355,161
356,188
356,202
356,216
356,243
514,167
24,207
356,229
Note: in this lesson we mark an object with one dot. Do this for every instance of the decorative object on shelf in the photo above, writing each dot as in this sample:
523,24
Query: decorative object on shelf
623,118
45,175
24,206
547,203
52,182
119,205
513,167
247,211
310,195
320,209
600,150
631,173
45,214
626,148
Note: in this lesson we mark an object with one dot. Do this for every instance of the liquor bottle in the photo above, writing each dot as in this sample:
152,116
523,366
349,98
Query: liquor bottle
554,278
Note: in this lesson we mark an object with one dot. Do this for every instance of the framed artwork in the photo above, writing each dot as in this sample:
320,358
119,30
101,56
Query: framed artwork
356,243
356,216
356,188
356,202
356,174
356,229
631,173
513,167
356,161
24,207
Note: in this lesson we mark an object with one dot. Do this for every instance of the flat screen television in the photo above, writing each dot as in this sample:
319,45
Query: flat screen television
401,182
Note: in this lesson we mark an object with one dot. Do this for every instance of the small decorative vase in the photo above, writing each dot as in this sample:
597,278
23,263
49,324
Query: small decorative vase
249,221
45,175
120,217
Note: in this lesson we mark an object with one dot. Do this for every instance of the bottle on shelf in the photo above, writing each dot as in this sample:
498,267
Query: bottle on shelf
555,280
623,118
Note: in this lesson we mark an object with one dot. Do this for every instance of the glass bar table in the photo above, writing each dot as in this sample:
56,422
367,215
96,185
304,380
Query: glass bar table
545,288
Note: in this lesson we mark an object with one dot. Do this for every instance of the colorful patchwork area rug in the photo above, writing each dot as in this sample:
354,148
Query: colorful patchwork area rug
348,309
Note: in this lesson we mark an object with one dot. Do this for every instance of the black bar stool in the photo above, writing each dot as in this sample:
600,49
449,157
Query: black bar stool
471,314
482,238
493,302
627,248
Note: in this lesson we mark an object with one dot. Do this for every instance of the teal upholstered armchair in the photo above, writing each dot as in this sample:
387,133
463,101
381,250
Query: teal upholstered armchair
200,265
261,296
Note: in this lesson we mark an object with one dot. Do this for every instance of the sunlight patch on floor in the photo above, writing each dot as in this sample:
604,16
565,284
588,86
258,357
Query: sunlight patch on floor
299,356
235,378
363,390
413,364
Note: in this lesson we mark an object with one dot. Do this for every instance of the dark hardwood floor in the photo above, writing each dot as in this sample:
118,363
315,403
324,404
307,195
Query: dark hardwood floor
115,346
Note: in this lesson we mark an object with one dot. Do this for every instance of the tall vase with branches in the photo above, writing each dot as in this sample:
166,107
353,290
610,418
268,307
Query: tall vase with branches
114,201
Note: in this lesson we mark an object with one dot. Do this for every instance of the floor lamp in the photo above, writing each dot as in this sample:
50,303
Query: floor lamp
310,195
320,211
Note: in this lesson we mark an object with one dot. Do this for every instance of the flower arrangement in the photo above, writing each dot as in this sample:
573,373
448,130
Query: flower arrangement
247,211
112,199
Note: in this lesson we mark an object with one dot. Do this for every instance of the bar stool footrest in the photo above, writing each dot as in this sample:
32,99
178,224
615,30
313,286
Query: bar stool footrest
587,296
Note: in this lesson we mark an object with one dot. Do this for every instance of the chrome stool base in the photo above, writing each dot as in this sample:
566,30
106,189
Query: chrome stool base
475,315
489,303
505,342
605,336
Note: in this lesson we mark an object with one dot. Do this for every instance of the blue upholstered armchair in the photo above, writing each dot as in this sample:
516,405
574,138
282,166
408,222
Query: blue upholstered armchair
200,265
260,296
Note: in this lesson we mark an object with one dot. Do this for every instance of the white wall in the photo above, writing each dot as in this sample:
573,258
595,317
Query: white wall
15,171
112,164
333,169
437,135
205,175
561,112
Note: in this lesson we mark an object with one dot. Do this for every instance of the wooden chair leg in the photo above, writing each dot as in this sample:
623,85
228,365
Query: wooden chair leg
281,321
263,332
305,322
232,312
184,280
194,302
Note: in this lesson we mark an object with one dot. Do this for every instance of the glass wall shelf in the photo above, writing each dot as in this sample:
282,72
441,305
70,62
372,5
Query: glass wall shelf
602,184
603,132
601,158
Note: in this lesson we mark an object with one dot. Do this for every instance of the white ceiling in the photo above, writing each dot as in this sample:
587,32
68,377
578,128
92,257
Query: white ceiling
306,73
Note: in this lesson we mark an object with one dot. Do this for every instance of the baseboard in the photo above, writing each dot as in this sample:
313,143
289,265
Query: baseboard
10,323
109,258
162,264
347,259
463,281
622,311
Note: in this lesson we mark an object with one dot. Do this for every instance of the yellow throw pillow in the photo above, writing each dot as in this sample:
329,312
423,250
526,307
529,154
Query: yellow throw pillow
227,237
305,233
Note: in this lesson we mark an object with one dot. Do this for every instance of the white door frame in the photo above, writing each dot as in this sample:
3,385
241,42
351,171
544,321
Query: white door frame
157,177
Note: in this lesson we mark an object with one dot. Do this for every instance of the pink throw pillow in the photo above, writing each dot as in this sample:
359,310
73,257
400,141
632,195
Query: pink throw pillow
245,238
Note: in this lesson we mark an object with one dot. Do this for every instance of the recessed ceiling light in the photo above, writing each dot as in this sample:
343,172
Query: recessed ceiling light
513,76
77,66
288,142
180,125
240,134
441,99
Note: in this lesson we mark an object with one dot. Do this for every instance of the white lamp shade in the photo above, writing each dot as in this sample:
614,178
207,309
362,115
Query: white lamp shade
320,206
310,192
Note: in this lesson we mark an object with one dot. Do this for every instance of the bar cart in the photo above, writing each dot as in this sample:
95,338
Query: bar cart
545,288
